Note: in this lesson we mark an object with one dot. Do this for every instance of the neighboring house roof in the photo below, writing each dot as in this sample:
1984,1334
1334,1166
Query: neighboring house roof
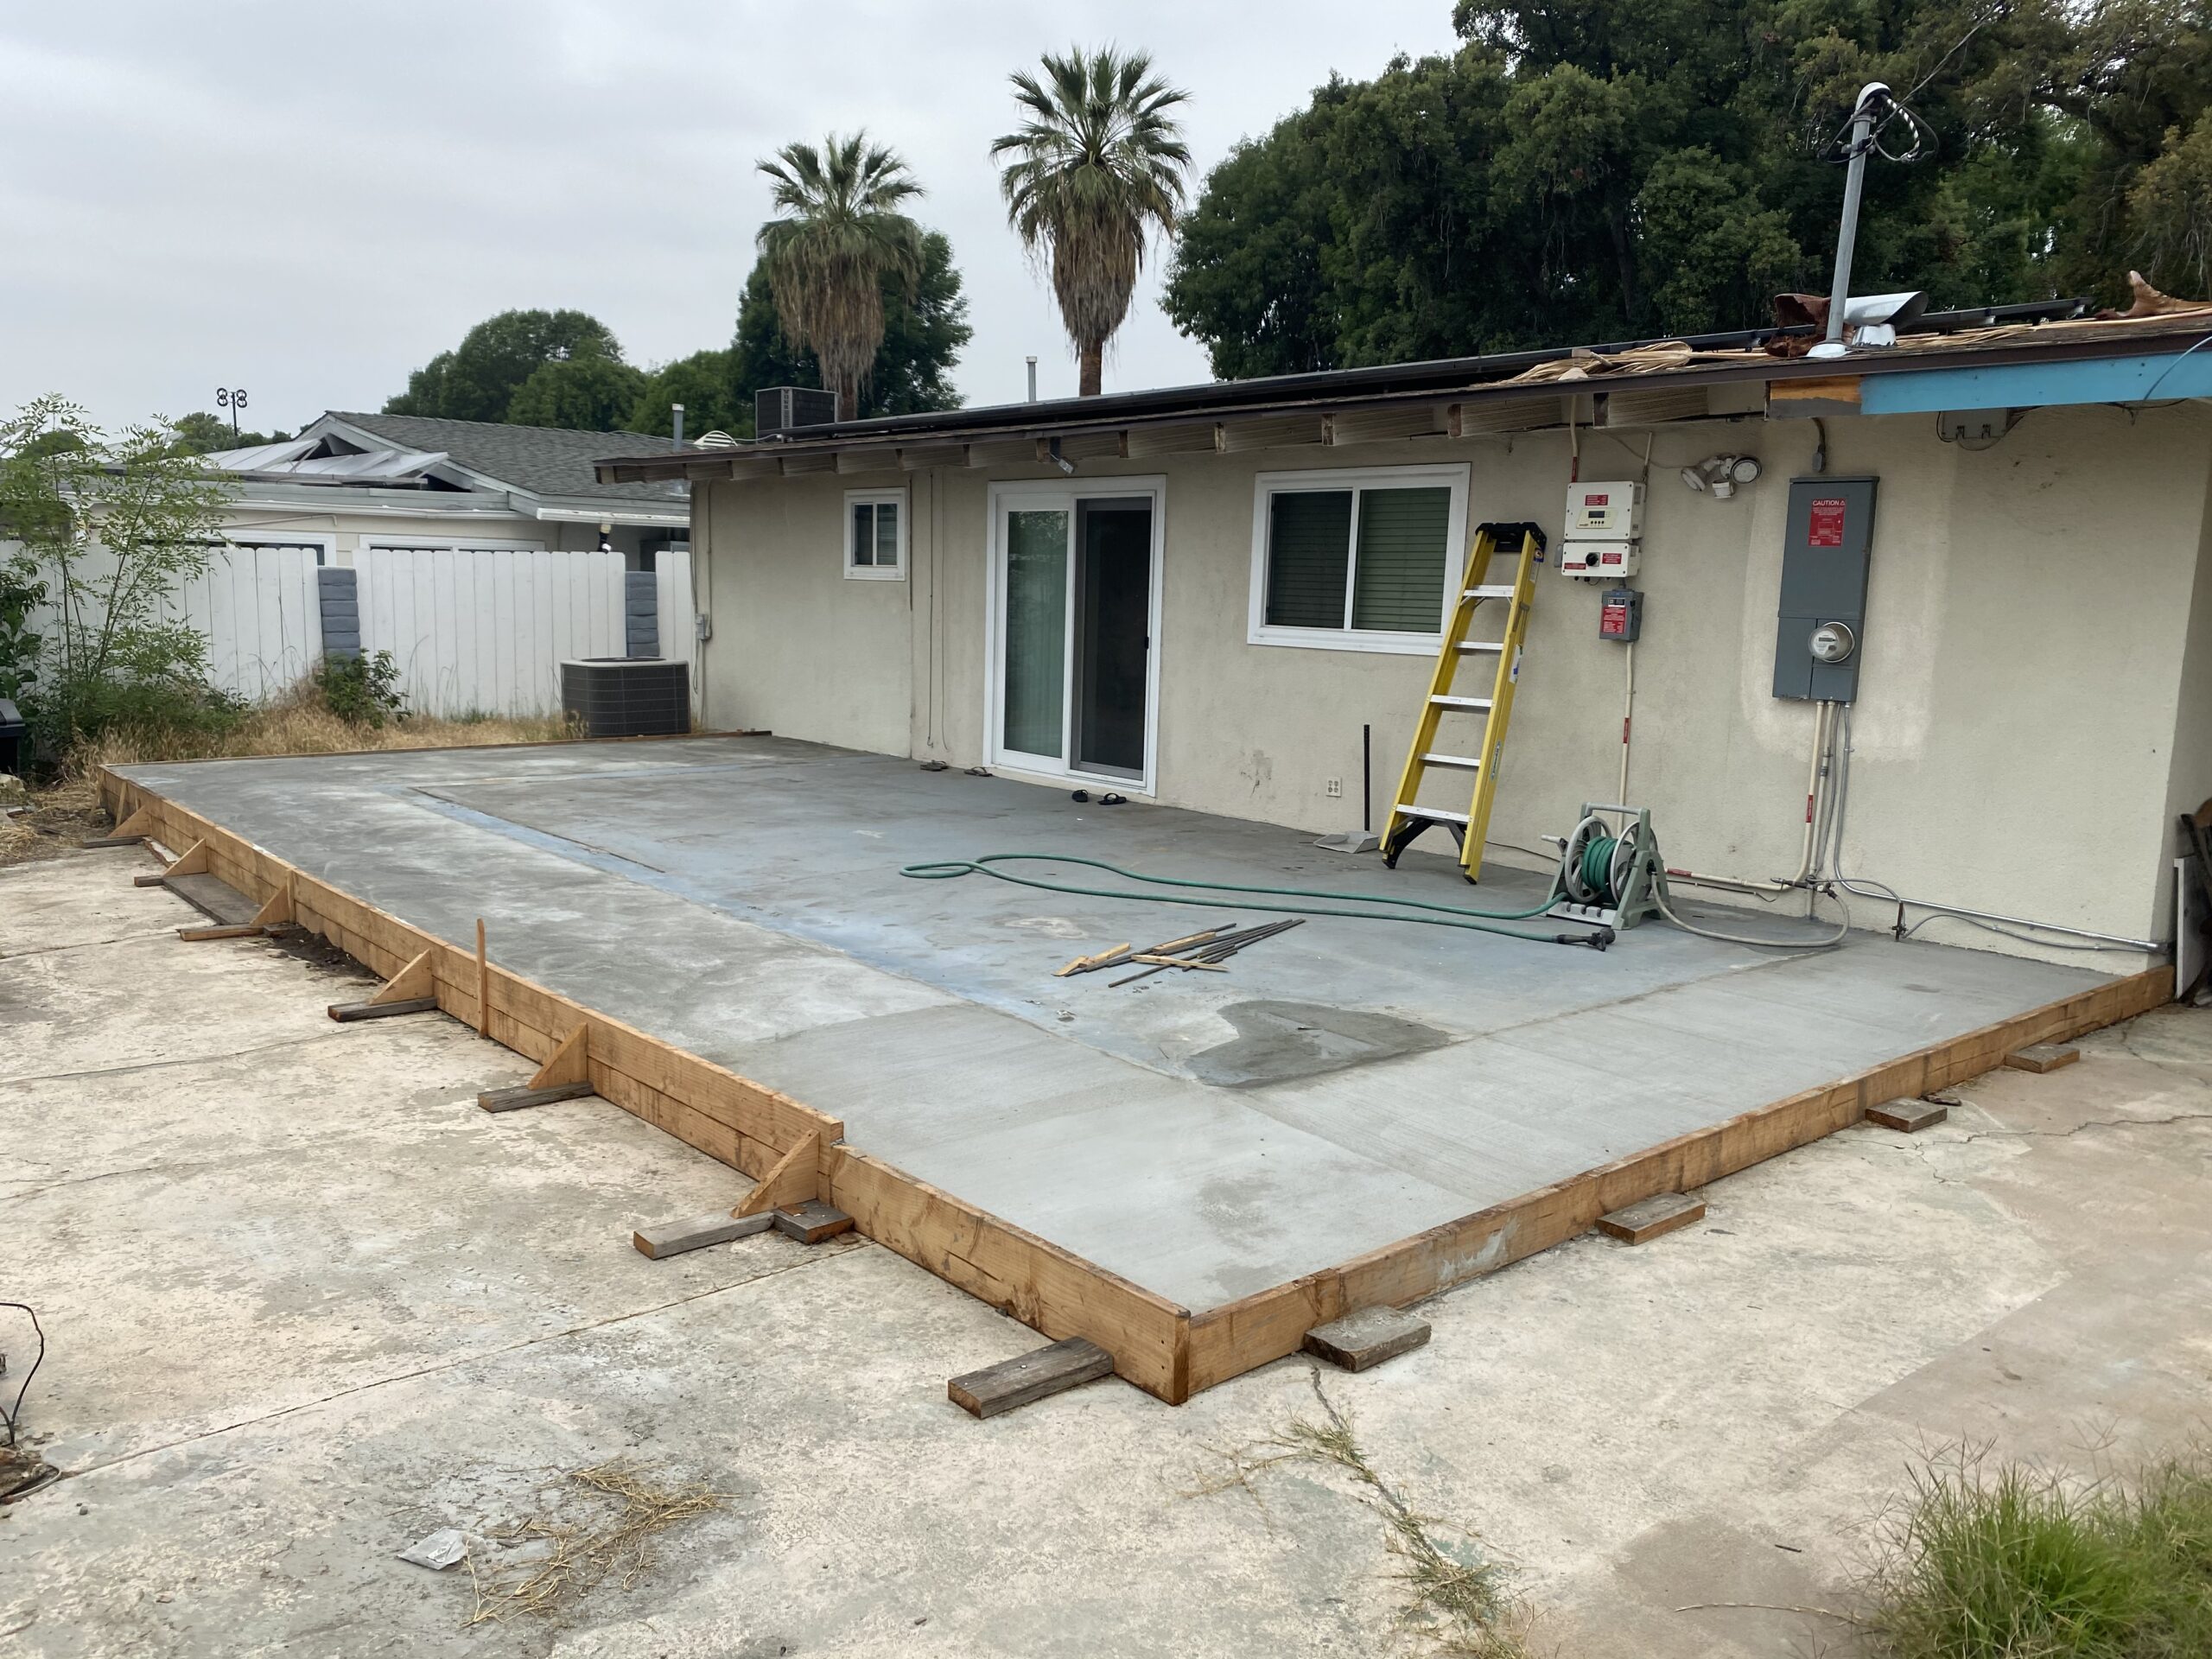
543,460
397,464
1992,358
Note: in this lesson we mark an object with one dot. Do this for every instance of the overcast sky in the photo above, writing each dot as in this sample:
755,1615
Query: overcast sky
310,200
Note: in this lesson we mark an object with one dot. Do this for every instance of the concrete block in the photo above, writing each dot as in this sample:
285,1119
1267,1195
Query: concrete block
2042,1057
695,1233
1367,1338
1907,1117
1030,1376
1653,1216
812,1221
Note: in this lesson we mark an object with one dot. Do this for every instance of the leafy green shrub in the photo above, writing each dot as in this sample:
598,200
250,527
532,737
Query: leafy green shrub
108,529
362,689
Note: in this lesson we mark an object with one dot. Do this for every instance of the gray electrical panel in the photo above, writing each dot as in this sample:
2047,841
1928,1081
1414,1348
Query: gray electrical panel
1822,616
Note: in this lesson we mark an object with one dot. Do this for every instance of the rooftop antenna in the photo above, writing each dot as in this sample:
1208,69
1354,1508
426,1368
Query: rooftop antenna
1874,111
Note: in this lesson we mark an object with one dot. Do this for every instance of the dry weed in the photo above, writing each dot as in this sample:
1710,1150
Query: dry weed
599,1529
1465,1608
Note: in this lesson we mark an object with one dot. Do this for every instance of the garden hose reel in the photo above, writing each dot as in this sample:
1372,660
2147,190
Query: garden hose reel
1609,877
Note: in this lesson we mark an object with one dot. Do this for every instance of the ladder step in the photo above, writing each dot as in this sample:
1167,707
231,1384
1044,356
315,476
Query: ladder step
1477,703
1490,590
1482,645
1436,812
1457,762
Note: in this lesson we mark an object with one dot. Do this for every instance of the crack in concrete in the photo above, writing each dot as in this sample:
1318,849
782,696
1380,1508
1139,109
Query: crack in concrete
182,1060
79,1180
88,944
814,1257
2091,1123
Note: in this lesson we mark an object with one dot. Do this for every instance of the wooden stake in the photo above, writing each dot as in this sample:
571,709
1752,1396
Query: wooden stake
483,985
795,1179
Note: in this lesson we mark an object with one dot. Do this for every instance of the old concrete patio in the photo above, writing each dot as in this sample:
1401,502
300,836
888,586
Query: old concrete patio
305,1303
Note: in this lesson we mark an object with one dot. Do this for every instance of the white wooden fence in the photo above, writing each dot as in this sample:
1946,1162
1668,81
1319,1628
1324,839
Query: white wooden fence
472,630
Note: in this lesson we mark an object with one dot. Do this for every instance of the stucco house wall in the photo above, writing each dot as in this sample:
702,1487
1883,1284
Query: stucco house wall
2034,695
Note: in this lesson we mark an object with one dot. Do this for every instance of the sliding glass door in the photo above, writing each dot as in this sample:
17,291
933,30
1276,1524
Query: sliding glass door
1074,590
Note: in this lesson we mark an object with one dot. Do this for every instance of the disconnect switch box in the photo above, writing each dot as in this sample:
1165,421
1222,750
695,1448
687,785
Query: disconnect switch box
1822,616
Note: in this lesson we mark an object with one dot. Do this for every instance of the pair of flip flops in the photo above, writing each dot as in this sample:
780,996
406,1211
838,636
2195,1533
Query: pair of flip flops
1108,799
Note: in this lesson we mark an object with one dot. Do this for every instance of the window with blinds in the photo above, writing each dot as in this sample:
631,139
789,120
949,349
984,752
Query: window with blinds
874,534
1370,559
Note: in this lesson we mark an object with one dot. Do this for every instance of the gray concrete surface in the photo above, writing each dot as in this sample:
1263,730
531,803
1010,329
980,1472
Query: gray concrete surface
1342,1086
306,1304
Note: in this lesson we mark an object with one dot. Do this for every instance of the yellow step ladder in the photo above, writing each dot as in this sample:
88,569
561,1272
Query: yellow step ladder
1408,816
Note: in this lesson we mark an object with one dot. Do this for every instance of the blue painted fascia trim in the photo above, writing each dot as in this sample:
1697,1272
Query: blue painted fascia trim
2035,386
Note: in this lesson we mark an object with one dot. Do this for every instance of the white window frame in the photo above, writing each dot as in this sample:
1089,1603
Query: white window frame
1260,632
1045,769
370,542
899,498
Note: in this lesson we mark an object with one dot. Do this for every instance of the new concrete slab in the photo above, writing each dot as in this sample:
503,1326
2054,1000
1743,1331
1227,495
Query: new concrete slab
1344,1085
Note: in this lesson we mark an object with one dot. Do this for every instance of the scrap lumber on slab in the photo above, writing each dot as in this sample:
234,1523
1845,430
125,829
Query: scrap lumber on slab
1647,1220
2042,1057
1087,964
1367,1338
1030,1376
696,1233
1908,1116
812,1221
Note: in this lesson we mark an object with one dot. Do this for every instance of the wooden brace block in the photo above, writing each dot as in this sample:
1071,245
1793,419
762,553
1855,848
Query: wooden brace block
812,1221
1655,1216
192,860
795,1179
1908,1116
570,1063
2042,1057
695,1233
132,830
1367,1338
513,1100
233,930
276,911
1030,1376
345,1012
410,984
1086,964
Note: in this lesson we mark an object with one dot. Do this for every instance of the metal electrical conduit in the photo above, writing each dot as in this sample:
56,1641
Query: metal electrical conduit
1826,791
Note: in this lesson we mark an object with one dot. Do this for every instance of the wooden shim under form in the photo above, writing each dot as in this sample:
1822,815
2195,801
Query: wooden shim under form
1030,1376
1240,1336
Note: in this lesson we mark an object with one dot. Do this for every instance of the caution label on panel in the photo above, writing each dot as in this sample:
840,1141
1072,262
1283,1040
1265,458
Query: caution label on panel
1825,528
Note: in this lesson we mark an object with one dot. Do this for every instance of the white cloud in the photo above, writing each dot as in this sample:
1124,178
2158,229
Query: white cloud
310,202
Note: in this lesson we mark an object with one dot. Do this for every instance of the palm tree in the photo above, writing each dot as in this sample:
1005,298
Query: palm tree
826,260
1098,161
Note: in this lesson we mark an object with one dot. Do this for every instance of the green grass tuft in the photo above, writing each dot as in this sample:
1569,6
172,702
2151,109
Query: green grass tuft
2007,1563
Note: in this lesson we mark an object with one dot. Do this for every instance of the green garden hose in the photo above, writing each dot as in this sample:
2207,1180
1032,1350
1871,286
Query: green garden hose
1398,910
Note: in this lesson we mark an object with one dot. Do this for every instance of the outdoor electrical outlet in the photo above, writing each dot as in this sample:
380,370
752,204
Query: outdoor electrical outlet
1334,789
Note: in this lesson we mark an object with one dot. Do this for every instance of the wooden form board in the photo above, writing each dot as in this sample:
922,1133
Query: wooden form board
1160,1347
